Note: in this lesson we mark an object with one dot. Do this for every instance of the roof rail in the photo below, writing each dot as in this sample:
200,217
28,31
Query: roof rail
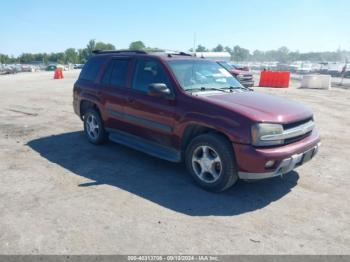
96,52
183,54
171,53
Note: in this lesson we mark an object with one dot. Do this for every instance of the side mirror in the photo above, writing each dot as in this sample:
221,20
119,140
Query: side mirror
158,89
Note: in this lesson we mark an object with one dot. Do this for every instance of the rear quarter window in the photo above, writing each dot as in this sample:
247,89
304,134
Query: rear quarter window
91,68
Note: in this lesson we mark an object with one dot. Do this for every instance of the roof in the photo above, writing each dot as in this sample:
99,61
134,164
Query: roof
166,55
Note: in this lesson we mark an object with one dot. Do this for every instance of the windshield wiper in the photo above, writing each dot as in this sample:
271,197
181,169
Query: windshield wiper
207,89
238,87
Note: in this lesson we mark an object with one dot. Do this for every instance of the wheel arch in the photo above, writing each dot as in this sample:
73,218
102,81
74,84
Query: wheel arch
193,130
85,104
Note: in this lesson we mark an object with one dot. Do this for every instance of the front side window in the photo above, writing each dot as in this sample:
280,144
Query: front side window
199,74
148,72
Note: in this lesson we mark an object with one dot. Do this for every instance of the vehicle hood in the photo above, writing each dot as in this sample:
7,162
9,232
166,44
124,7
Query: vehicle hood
260,107
240,72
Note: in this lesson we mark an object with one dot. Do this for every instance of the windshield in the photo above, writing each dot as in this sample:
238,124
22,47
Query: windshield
202,74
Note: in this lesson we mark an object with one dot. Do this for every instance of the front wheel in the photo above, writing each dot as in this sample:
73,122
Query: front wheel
211,162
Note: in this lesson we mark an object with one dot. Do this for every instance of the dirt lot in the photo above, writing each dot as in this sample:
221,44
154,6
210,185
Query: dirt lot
61,195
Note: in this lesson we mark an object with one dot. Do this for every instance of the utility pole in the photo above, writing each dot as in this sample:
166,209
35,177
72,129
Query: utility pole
194,42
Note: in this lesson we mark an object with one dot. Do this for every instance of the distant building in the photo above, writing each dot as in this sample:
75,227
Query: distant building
222,56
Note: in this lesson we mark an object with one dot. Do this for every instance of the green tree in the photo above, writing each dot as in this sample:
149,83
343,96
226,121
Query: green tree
218,48
201,48
153,49
104,46
258,56
71,56
91,46
137,45
82,55
4,59
283,54
240,54
228,49
26,57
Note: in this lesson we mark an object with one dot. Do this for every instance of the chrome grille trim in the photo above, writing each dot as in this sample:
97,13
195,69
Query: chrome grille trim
292,132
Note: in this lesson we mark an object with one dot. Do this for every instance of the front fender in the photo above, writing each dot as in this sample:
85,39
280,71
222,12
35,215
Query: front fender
236,130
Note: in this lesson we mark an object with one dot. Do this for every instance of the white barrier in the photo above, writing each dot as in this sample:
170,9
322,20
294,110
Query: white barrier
316,81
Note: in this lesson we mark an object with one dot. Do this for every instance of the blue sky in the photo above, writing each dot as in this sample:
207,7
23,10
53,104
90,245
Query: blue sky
46,26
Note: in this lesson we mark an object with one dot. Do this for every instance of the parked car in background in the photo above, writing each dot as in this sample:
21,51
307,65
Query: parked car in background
240,67
180,108
28,68
315,68
347,71
283,67
335,69
295,66
51,67
305,68
78,66
245,77
271,66
323,68
11,69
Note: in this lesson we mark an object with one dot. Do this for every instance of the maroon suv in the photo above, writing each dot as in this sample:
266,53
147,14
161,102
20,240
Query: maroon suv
180,108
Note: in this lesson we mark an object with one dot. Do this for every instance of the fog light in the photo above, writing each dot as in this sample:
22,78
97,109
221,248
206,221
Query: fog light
269,164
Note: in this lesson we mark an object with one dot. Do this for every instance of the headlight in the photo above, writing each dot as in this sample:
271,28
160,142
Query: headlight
263,129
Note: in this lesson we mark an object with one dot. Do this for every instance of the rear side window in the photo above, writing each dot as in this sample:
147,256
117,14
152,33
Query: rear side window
116,73
91,69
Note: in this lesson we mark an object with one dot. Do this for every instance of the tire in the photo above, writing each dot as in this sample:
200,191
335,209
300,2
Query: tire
93,127
219,172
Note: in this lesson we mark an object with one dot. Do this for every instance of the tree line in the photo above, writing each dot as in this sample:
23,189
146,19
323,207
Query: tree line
282,54
239,54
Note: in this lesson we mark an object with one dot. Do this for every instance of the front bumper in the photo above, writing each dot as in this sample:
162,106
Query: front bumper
251,161
285,166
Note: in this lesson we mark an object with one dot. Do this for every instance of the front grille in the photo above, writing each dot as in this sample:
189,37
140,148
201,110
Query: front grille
296,139
294,125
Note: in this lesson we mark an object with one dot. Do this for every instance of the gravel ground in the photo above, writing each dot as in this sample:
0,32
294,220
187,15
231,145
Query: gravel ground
61,195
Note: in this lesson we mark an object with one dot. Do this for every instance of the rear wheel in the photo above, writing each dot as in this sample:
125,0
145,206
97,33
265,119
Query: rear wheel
93,127
211,162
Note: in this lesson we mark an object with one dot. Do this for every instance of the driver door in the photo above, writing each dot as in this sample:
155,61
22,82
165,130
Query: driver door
150,117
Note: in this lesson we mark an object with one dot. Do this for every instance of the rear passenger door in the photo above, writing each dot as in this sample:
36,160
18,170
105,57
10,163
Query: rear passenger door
114,82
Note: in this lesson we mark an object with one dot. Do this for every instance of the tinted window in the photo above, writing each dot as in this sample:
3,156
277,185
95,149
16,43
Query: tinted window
107,75
116,73
119,73
149,72
91,68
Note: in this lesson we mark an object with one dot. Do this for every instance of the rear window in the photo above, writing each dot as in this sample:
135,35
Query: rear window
91,68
